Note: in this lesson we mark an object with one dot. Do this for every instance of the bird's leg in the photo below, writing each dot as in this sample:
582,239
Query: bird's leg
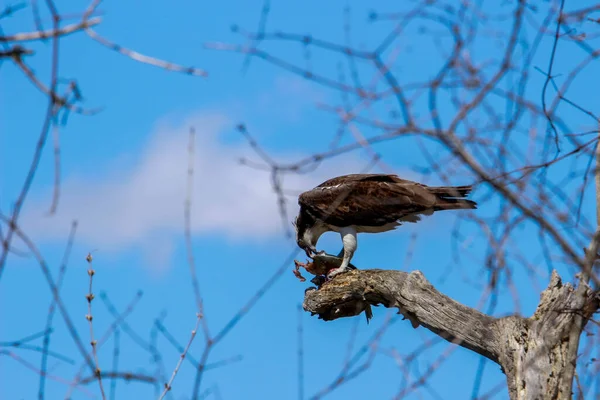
349,240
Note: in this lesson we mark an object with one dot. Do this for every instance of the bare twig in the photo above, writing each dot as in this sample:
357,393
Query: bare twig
52,33
134,55
90,317
188,232
169,384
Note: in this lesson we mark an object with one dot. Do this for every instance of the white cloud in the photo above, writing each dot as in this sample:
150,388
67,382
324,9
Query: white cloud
142,204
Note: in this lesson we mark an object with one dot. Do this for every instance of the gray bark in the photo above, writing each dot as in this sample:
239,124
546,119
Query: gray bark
537,354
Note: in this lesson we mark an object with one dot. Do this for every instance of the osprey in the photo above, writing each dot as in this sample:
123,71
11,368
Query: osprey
371,203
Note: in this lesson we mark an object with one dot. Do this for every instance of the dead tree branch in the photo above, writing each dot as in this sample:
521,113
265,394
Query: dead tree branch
519,345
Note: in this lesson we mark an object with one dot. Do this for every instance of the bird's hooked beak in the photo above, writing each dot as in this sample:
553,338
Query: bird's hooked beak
307,236
310,250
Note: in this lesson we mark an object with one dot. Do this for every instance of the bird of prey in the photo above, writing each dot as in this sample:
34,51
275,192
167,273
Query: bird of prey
370,203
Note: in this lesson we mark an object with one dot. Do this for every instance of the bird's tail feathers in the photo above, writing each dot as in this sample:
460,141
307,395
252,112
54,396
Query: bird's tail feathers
450,191
452,197
455,204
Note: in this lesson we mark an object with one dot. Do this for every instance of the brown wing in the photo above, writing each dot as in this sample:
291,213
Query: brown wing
346,179
366,199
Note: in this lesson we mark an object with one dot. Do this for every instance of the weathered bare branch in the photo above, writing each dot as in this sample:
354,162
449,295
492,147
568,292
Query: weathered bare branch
520,345
352,292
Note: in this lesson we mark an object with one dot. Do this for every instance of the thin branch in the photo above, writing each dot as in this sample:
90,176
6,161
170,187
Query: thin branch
90,317
115,375
37,35
115,366
52,309
188,232
134,55
168,385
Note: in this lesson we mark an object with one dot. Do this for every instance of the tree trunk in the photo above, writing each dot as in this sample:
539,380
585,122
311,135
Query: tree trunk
537,354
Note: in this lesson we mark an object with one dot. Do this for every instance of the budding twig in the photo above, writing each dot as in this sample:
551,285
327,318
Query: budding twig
169,384
89,317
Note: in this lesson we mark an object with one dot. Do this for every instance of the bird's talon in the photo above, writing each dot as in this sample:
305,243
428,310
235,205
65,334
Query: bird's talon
336,271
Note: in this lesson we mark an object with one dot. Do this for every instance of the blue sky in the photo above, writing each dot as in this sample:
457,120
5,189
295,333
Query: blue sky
124,174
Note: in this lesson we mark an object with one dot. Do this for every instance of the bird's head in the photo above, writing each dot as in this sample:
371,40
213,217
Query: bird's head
307,232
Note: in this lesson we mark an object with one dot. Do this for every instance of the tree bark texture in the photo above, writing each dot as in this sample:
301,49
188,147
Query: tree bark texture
537,354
